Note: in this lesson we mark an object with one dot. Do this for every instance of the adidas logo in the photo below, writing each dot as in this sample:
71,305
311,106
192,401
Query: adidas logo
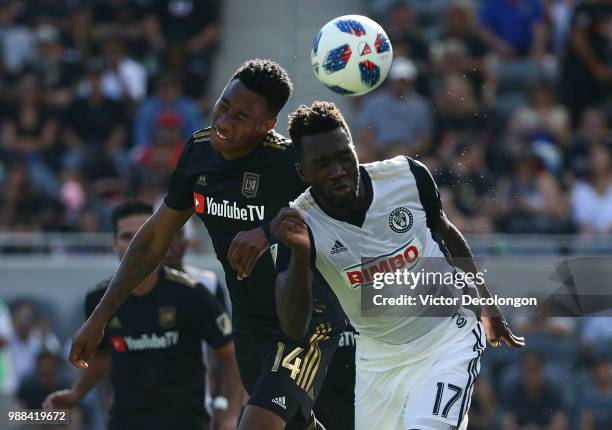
338,247
280,401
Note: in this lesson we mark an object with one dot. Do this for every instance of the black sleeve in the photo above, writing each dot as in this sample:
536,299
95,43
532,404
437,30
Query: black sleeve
428,192
283,255
91,301
212,322
180,190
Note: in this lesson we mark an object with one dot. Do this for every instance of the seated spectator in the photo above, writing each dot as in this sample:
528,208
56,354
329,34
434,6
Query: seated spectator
395,120
593,130
591,199
461,27
161,156
30,129
596,402
32,336
514,28
543,118
484,412
529,197
42,381
586,77
168,98
456,106
408,42
596,337
95,126
534,401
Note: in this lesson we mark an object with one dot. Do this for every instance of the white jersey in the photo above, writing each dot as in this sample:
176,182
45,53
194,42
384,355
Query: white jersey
395,235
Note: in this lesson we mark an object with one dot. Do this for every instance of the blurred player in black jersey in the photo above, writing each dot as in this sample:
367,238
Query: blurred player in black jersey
236,175
152,348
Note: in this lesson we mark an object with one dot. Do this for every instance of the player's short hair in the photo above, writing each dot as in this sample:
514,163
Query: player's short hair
129,208
319,117
267,79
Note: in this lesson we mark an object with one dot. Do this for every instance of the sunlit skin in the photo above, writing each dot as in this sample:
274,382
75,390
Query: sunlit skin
329,164
126,230
240,120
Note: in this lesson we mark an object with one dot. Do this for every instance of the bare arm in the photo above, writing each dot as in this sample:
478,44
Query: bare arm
146,251
99,367
294,286
232,387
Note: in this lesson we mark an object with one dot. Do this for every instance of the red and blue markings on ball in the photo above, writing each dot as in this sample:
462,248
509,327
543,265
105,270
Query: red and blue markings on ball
381,43
338,89
350,26
370,73
337,58
315,42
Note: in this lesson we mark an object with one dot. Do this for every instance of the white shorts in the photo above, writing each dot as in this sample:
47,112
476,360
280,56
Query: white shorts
426,384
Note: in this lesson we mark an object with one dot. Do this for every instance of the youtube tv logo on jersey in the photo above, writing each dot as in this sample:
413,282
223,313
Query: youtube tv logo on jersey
199,203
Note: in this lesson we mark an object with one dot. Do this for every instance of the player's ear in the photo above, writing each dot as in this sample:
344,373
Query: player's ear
269,124
300,171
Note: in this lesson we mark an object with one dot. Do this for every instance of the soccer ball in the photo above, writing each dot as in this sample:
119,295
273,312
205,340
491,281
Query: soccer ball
351,55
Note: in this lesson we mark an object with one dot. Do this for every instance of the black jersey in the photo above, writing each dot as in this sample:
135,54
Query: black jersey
155,341
231,196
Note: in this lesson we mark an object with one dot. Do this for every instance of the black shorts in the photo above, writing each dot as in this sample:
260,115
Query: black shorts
284,375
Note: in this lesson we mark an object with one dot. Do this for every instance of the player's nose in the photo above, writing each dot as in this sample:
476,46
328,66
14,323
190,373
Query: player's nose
336,171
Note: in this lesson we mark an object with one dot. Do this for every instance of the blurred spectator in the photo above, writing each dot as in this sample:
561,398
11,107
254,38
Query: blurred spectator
125,17
456,106
593,130
534,401
514,28
461,34
529,198
596,334
592,199
469,185
95,127
25,206
543,119
396,120
408,42
596,402
168,98
484,413
30,129
44,380
161,156
8,379
54,66
587,70
32,336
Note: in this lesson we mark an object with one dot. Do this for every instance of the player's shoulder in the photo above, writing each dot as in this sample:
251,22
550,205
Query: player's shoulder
389,167
178,277
304,201
276,142
99,288
201,136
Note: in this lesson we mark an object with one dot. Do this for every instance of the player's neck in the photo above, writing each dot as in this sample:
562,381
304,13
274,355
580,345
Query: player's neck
146,286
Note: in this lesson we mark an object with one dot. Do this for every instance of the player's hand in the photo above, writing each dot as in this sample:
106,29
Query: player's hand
245,250
85,342
226,422
62,399
289,227
497,329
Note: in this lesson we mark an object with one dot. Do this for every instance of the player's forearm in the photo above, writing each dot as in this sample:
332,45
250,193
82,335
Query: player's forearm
142,257
233,390
294,297
98,367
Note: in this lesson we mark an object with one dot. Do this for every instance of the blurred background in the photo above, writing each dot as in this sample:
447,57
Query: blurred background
508,102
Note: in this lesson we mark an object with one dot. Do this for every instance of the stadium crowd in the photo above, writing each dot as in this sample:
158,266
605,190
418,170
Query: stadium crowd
509,103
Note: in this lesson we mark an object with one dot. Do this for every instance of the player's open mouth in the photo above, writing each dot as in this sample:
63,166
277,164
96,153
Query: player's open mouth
220,136
340,187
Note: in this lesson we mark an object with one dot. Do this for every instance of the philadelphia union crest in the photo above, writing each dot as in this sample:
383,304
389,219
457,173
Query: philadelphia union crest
400,220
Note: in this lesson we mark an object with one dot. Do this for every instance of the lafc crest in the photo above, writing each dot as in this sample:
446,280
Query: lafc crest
250,184
167,317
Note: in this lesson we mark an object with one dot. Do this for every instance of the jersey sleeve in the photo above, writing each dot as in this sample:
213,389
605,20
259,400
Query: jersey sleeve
180,195
283,255
213,323
91,301
428,192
